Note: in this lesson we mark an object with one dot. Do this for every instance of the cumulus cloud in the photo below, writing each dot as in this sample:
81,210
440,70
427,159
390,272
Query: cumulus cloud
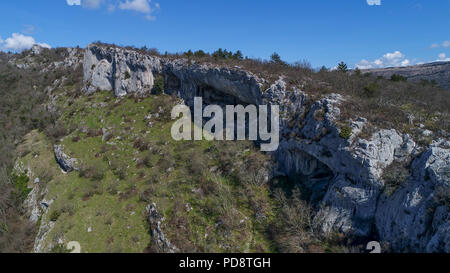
444,44
393,59
19,42
142,6
443,58
374,2
73,2
136,5
145,7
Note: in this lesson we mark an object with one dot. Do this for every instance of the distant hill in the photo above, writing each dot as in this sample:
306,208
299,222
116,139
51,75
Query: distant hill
437,71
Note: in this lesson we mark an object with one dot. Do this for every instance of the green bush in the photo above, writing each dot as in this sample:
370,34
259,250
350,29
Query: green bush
159,85
54,215
119,169
398,78
371,89
346,132
59,248
21,185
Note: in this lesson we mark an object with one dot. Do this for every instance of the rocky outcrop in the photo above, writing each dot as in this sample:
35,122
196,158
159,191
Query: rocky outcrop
343,174
45,227
155,220
125,71
417,217
66,163
118,70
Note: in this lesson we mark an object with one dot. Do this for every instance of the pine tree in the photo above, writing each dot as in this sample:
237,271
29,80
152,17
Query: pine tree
276,59
342,67
238,55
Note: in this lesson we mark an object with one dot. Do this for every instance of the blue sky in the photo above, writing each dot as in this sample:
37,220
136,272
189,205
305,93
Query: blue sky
368,33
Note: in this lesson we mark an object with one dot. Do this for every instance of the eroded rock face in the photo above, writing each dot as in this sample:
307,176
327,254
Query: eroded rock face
118,70
190,80
66,163
417,216
125,71
343,175
155,220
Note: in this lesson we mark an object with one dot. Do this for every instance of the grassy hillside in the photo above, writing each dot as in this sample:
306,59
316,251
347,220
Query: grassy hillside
212,195
200,188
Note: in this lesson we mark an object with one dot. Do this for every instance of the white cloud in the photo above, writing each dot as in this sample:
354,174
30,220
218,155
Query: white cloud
393,59
19,42
142,6
73,2
1,40
91,4
136,5
145,7
374,2
444,44
443,58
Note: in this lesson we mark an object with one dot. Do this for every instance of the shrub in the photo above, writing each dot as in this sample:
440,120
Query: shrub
159,85
196,163
346,132
127,75
147,195
398,78
141,144
94,172
94,132
371,89
21,185
56,131
54,215
394,175
292,228
145,161
44,171
76,138
254,171
119,169
442,196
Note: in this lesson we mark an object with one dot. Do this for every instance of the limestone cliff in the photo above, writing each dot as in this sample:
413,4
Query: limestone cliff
343,174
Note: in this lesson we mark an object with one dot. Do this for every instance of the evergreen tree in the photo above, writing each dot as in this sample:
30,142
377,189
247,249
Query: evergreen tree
238,55
276,59
342,67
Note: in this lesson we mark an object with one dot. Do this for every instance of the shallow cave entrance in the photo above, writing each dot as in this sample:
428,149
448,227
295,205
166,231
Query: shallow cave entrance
309,175
172,84
214,96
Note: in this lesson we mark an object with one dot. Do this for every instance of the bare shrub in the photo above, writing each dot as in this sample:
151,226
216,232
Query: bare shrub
93,171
